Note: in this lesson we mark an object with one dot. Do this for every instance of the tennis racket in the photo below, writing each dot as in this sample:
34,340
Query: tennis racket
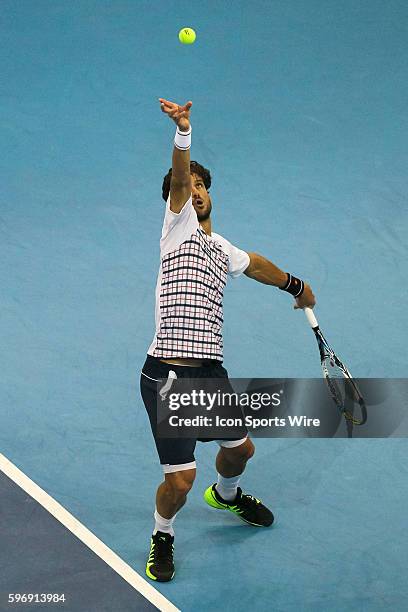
342,387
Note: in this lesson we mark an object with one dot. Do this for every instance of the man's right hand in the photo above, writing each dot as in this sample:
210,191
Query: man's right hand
307,299
179,114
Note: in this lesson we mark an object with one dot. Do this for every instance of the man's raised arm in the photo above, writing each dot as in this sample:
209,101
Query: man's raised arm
180,184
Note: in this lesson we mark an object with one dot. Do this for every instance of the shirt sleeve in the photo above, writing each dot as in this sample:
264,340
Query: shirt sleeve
177,227
238,260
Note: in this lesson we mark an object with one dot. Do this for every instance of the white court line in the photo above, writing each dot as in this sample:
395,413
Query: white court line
86,536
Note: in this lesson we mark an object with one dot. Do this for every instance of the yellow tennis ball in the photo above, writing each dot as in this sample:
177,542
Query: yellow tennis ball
187,36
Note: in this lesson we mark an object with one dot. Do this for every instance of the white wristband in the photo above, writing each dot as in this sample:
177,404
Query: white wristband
182,140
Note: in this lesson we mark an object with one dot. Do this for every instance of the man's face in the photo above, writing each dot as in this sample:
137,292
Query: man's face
201,198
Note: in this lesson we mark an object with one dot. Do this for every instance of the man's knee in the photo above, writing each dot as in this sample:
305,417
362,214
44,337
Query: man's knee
250,449
180,483
241,453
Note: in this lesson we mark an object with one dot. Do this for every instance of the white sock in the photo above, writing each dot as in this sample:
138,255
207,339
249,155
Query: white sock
162,524
227,487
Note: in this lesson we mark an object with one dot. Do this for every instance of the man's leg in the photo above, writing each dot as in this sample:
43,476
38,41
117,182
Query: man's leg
172,493
171,496
225,494
230,463
179,466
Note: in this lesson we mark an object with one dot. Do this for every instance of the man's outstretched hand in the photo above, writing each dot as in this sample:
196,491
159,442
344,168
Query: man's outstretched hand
306,299
179,114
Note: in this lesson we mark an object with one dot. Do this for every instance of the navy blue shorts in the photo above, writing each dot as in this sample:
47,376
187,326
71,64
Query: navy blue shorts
178,453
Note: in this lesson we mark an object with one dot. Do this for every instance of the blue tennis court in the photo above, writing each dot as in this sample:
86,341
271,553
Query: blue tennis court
299,110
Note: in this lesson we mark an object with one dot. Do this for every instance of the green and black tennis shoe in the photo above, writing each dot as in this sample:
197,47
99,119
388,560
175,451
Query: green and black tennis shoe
248,508
160,564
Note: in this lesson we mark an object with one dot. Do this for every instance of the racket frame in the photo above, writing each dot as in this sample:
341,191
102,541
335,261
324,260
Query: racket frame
327,352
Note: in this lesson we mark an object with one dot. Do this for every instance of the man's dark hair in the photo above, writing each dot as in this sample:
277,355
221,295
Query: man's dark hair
195,168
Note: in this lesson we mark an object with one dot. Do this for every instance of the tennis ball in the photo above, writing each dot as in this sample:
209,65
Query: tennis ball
187,36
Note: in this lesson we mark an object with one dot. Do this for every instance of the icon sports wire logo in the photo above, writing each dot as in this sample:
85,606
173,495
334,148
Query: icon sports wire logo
208,401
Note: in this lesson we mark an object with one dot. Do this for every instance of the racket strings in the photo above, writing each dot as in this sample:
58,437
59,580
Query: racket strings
343,389
341,385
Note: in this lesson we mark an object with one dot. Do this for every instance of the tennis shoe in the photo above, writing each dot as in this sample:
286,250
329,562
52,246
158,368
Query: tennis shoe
160,564
246,507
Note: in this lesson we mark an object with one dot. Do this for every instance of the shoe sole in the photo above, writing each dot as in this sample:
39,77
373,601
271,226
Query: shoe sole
155,578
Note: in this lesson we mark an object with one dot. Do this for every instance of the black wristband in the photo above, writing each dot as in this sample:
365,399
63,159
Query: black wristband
294,286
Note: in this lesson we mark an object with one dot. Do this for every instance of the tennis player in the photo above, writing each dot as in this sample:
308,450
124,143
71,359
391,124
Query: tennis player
194,265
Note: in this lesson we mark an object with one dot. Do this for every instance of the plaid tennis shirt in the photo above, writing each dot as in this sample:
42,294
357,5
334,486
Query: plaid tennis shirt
190,287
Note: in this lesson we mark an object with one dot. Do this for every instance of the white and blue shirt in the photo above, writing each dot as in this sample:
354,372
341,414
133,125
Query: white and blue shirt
190,287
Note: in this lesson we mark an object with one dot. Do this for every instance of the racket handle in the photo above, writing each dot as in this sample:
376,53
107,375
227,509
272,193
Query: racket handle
311,318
